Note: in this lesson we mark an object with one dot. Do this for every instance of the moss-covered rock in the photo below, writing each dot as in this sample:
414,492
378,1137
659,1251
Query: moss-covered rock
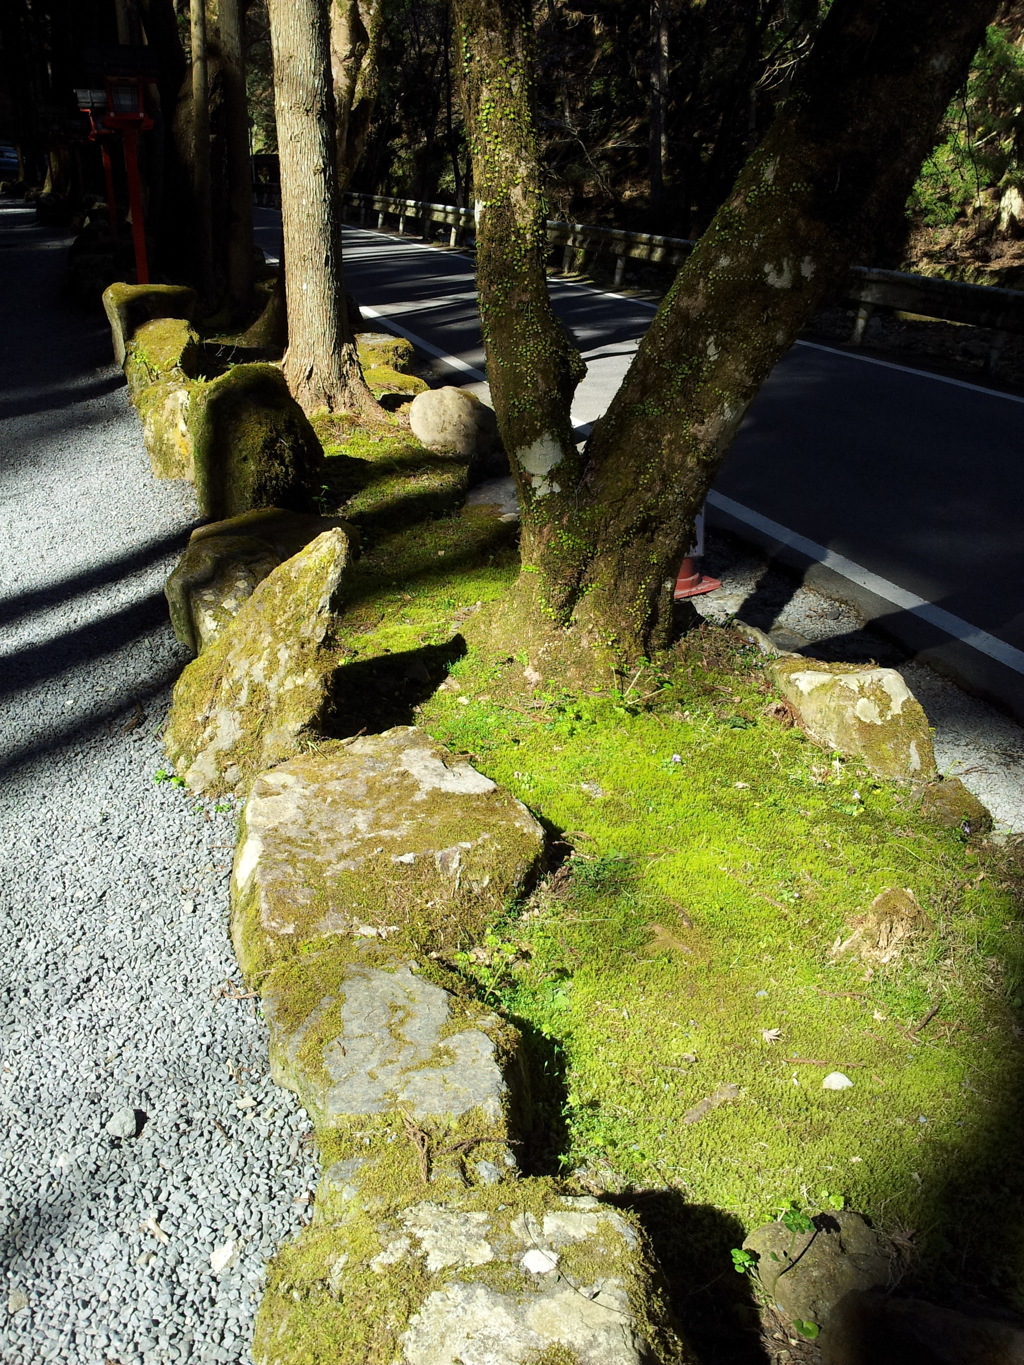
384,835
949,803
807,1273
226,560
352,1039
128,306
163,410
166,348
382,379
260,688
253,445
508,1276
869,713
384,348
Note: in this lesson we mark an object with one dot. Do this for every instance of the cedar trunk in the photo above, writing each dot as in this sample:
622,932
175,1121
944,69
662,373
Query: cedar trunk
235,240
320,364
603,533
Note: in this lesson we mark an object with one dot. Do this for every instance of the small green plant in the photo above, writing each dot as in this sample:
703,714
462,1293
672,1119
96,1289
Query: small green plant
162,775
806,1329
743,1262
796,1220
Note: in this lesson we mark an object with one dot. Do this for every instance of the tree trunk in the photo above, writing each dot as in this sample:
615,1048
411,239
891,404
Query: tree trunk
235,240
320,365
201,184
356,31
533,368
603,534
658,152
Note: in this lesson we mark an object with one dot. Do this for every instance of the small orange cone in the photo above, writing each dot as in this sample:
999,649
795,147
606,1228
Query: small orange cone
691,582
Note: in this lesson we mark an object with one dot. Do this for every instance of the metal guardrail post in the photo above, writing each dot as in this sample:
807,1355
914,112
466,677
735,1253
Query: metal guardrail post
864,314
620,270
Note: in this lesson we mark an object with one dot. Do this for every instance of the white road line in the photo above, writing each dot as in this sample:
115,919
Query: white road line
812,345
952,625
454,361
908,369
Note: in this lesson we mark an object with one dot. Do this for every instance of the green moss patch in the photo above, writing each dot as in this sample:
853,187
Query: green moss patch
679,972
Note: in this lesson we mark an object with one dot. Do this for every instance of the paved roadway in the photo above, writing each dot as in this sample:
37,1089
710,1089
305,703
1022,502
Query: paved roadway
900,488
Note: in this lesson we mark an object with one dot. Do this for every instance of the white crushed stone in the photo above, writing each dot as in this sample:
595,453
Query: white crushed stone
113,898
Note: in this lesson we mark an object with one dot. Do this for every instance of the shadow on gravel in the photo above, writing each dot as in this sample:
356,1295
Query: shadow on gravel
51,398
112,571
120,718
38,663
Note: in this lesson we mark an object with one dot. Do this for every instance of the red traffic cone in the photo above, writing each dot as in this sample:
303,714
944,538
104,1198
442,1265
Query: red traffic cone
691,582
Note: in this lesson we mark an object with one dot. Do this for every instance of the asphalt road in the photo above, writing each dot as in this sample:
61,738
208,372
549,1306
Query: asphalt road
904,486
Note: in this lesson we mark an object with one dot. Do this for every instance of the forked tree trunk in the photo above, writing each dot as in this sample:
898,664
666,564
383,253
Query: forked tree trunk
604,533
320,364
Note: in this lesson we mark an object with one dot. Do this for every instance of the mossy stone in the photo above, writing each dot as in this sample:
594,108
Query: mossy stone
383,348
163,410
260,688
385,835
253,445
382,379
353,1039
868,713
128,306
949,803
224,563
508,1276
163,349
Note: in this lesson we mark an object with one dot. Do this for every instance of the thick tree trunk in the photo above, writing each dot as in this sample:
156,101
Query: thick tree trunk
320,365
604,534
235,239
201,180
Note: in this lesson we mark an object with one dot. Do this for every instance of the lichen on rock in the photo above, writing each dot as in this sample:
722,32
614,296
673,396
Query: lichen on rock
253,445
262,686
386,834
226,560
531,1274
163,411
128,306
865,712
369,1039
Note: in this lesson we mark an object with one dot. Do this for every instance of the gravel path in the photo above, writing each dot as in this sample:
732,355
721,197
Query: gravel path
115,967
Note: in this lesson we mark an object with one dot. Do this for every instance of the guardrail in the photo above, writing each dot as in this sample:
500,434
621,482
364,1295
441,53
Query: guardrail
977,305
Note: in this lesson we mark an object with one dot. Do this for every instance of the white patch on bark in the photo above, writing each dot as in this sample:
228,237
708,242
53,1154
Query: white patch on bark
781,278
478,209
807,267
539,460
769,171
723,261
712,349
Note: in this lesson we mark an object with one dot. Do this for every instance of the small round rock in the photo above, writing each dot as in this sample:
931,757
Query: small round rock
123,1123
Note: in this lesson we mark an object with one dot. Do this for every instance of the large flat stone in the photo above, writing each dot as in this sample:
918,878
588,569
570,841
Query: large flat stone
369,1040
261,687
471,1281
386,835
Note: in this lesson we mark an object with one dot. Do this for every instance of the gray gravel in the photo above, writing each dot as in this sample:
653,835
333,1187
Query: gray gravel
118,988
